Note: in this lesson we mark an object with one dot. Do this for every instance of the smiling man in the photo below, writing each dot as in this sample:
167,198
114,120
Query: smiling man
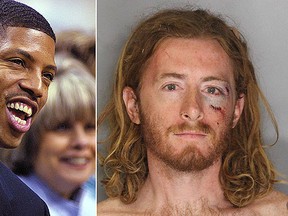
27,46
185,136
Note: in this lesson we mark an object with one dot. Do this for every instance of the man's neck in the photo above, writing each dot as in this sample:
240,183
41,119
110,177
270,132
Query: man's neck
167,187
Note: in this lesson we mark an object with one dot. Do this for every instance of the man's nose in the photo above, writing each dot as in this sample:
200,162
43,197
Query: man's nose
33,84
191,109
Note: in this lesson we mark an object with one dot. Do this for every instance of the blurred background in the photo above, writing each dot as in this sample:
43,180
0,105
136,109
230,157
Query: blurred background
263,23
66,14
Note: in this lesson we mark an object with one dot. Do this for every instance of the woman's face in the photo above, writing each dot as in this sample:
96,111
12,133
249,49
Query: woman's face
66,157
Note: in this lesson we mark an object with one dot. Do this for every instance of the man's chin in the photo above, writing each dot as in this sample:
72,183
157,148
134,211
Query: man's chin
189,159
10,143
195,164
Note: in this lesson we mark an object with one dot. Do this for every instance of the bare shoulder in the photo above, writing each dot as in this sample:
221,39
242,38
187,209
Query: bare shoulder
113,206
108,206
274,203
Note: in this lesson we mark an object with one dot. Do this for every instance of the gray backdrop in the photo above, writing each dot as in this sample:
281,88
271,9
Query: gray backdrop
264,24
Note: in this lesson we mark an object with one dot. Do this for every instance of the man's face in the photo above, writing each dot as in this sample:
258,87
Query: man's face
187,104
26,70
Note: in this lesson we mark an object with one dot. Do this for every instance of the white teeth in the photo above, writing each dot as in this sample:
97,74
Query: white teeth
22,107
25,109
78,161
20,121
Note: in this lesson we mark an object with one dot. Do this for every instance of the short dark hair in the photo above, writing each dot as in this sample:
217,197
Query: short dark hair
16,14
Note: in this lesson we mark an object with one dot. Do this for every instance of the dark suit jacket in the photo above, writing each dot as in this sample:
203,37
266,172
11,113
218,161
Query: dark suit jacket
16,199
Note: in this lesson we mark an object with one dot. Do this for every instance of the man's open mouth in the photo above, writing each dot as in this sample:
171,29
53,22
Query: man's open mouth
20,112
19,116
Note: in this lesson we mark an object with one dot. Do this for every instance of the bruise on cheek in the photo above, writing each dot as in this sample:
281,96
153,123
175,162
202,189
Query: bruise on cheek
216,108
216,103
219,109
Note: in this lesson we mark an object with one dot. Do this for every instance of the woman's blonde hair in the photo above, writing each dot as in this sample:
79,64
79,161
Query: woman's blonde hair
246,172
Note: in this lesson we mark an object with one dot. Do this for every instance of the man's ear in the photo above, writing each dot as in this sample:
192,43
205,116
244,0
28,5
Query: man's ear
238,109
130,100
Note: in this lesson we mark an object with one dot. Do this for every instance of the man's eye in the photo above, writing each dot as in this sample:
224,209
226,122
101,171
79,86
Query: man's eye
49,76
18,61
214,91
170,87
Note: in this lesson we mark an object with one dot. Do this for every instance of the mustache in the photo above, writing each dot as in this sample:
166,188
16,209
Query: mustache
22,94
201,127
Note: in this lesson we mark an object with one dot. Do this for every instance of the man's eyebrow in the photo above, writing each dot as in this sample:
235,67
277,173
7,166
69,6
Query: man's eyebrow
51,67
213,78
173,75
28,56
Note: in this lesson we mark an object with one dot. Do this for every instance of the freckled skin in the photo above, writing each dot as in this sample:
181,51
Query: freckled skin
185,76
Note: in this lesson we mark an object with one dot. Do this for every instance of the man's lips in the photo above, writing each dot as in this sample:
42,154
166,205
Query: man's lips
21,107
200,129
19,113
18,124
190,135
